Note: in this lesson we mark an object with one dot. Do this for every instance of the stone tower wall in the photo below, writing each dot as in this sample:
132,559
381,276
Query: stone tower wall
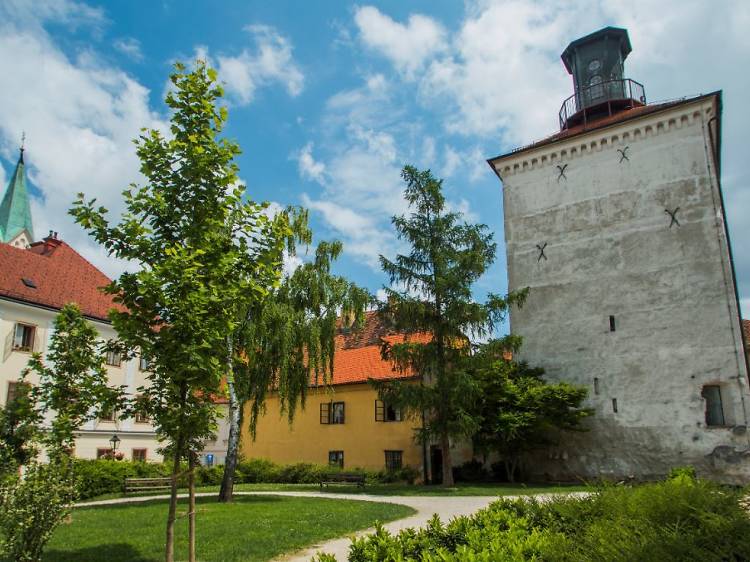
599,204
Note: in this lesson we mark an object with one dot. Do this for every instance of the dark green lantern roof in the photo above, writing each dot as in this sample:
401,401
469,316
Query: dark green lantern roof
612,37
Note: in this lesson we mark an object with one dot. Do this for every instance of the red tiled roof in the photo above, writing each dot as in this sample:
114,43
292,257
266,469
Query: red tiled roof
61,276
600,123
357,356
746,331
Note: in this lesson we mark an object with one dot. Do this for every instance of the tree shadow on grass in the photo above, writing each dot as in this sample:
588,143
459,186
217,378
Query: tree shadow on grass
119,552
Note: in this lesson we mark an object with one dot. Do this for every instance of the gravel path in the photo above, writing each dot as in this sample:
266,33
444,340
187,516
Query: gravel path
447,507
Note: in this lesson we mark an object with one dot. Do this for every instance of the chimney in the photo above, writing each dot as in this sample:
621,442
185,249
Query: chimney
597,64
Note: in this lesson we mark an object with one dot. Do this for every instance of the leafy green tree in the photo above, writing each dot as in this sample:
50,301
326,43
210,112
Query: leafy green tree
286,342
31,508
203,255
72,388
73,383
516,409
430,294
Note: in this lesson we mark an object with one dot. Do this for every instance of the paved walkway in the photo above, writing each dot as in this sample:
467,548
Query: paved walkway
447,507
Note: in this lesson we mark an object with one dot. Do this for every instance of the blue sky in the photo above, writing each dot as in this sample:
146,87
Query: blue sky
328,100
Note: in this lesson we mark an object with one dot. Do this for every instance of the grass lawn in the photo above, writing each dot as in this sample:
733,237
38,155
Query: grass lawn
251,528
474,489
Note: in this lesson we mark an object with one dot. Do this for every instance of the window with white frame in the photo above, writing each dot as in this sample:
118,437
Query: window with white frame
23,337
113,358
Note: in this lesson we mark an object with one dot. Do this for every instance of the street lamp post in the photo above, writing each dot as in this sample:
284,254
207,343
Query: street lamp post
114,442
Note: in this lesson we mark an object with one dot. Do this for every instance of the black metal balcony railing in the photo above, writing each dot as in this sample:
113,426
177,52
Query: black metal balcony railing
604,98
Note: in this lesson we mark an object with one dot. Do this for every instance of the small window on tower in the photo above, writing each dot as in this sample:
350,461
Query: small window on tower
714,407
614,405
596,385
612,326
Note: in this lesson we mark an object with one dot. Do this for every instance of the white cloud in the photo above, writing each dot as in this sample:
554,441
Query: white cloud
270,62
451,161
62,12
308,167
502,75
80,117
363,238
129,46
429,150
501,79
408,45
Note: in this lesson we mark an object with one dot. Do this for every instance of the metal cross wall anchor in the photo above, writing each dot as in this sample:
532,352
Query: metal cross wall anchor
562,169
673,217
623,154
541,252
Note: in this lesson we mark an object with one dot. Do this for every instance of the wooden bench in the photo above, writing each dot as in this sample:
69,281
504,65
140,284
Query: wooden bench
146,484
343,478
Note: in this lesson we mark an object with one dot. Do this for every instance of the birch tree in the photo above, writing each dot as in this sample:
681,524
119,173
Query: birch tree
286,342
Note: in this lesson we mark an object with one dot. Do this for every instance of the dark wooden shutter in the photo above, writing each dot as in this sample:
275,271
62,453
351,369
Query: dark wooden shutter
379,411
325,412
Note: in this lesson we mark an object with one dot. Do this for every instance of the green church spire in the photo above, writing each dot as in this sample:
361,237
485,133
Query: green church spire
15,211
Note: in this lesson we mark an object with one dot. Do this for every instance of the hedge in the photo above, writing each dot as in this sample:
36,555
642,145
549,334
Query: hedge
682,519
98,477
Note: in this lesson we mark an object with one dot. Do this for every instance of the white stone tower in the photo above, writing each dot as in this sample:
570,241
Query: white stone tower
617,226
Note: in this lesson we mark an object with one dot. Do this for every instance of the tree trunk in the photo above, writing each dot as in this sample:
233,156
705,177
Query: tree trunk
169,551
445,445
191,508
230,462
510,470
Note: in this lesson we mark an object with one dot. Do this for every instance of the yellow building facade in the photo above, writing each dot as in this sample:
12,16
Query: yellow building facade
344,424
363,437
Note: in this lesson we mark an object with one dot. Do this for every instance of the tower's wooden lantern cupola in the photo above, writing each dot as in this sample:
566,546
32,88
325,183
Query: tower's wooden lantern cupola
596,62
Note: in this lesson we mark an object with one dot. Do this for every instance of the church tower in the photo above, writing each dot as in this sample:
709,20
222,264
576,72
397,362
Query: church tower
616,224
16,227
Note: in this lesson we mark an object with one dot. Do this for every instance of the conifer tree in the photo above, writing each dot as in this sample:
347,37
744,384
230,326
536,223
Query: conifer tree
430,294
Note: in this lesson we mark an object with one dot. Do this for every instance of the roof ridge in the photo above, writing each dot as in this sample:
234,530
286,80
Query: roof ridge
84,258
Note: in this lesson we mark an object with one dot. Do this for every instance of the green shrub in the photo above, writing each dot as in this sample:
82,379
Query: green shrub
97,477
680,519
680,472
31,507
255,471
209,475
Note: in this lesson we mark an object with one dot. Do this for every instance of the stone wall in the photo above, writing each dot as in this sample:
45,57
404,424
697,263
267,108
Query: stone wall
636,306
